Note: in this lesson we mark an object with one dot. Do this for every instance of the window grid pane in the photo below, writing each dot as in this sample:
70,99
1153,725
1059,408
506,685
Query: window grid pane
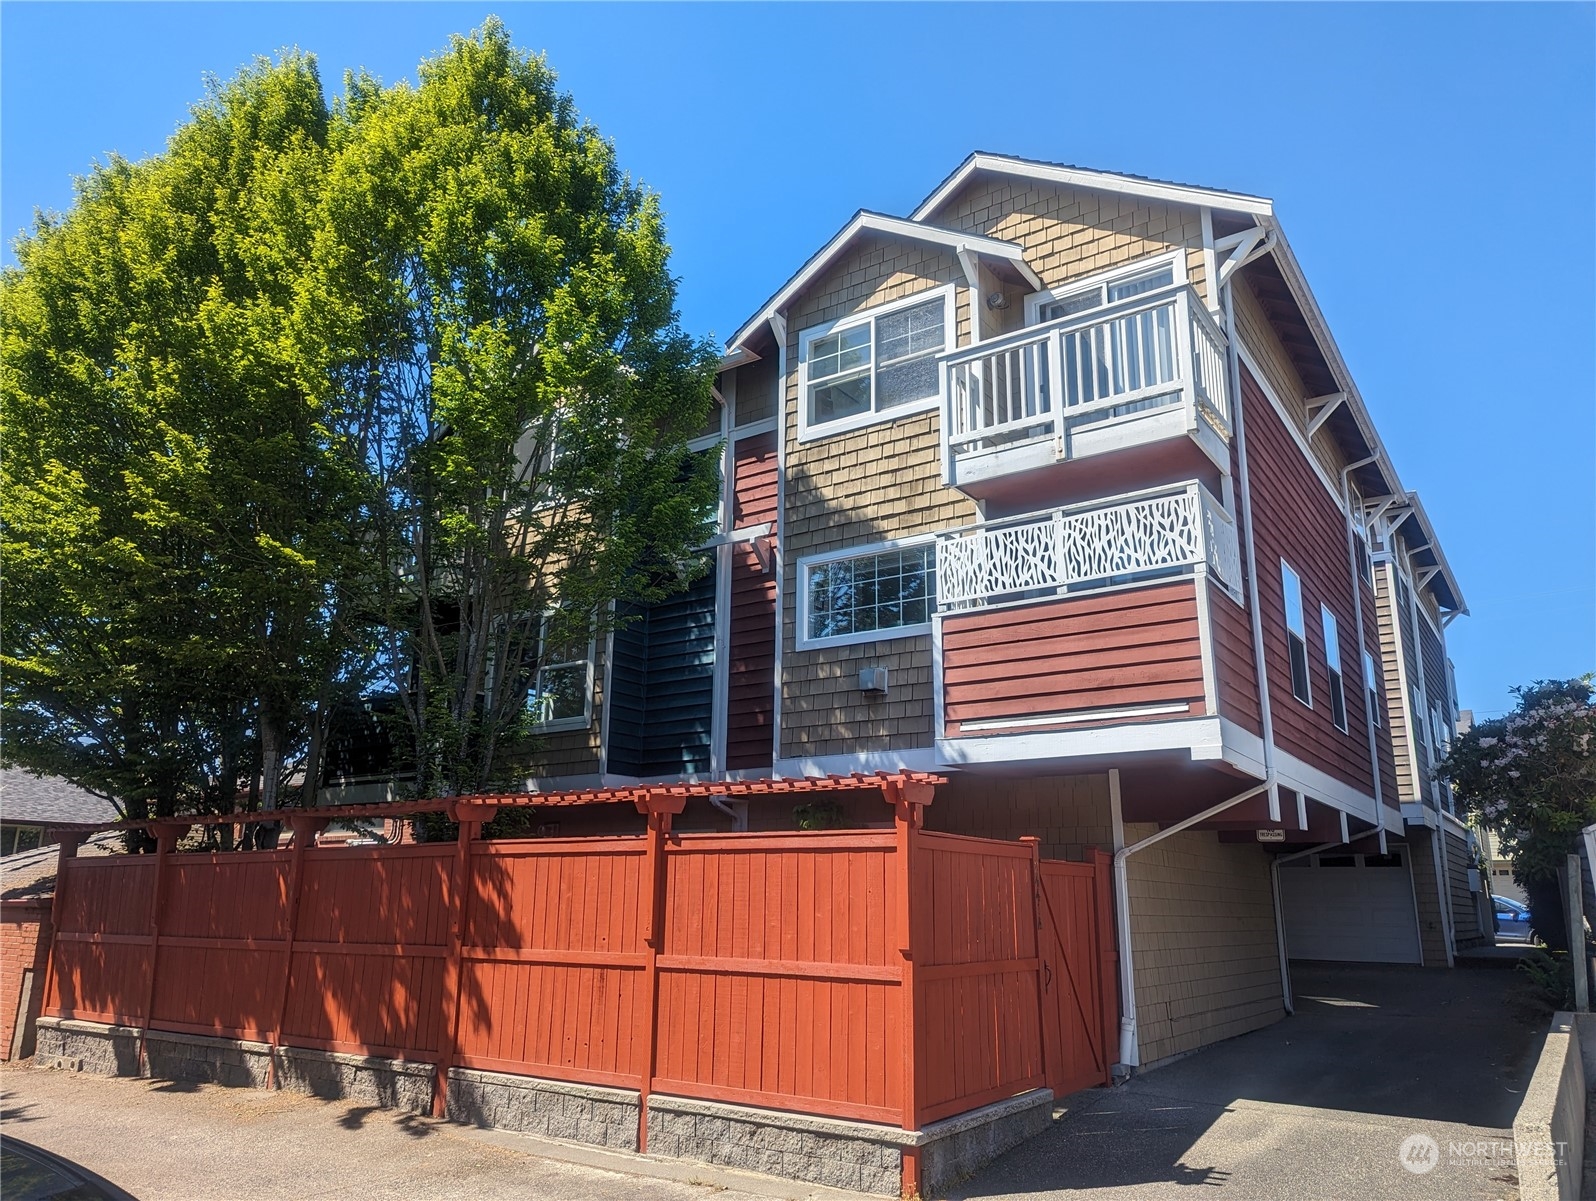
885,591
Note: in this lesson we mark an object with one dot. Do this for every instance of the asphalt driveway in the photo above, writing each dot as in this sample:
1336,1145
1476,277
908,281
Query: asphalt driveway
1314,1108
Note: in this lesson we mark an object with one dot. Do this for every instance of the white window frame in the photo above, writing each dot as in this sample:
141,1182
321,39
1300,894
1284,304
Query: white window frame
1101,279
1332,661
554,725
805,566
1299,632
1371,687
812,432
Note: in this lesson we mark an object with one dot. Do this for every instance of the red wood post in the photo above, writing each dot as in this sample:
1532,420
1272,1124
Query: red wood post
1042,949
305,829
166,836
68,851
1107,957
470,818
908,801
659,807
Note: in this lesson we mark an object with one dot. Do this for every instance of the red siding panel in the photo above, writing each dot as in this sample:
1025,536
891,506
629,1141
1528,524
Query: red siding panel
751,670
1135,647
1297,521
754,481
1235,669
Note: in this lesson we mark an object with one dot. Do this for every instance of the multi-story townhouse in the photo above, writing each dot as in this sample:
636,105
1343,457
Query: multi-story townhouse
1060,486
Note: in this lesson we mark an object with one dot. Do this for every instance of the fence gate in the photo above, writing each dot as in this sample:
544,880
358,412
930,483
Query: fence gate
1079,973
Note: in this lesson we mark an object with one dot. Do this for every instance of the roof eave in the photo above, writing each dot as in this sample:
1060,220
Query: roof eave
1079,177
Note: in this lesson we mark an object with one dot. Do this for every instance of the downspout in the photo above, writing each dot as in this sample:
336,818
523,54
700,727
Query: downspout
1233,361
1129,1045
1254,609
1363,646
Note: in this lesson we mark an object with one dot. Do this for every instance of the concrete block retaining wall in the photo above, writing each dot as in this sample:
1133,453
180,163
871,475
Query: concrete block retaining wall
1549,1130
842,1154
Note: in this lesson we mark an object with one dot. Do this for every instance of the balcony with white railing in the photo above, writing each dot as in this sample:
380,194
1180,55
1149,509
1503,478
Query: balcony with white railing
1141,538
1141,371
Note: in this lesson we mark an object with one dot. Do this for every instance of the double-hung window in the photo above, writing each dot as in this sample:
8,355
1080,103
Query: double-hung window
1371,687
561,696
874,367
1332,660
1296,634
860,597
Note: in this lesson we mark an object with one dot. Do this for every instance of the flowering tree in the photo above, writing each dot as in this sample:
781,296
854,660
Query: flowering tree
1530,778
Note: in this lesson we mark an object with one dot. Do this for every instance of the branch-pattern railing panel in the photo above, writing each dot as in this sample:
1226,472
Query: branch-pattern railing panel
1081,547
1157,350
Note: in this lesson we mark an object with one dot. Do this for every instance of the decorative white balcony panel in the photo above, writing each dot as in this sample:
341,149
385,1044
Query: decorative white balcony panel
1067,380
1082,547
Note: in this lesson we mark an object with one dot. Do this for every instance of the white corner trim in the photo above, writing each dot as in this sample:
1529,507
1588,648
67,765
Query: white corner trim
1303,777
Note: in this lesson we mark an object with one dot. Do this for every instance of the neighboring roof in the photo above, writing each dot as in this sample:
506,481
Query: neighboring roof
30,800
30,875
1083,177
864,222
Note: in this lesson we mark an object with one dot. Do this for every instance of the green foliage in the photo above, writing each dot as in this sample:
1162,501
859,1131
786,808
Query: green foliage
174,519
323,395
818,815
1530,777
489,300
1550,979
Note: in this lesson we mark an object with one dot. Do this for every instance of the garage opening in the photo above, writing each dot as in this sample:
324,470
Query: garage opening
1350,908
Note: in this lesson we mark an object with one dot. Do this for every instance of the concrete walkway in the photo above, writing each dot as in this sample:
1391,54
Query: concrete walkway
1314,1108
163,1141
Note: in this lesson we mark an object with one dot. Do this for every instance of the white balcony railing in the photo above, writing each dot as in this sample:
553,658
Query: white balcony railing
1060,380
1165,532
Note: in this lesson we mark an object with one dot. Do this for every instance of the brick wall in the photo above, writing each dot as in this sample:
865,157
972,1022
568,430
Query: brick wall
24,948
1203,940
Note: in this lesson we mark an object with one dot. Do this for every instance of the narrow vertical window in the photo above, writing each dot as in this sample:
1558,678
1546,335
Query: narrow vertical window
1296,634
1371,687
1332,660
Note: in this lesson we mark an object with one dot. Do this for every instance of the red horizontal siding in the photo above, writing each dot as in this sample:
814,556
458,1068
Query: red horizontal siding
751,669
1120,649
1235,669
1296,520
754,481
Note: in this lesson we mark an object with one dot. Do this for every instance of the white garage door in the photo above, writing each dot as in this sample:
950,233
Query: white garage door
1357,908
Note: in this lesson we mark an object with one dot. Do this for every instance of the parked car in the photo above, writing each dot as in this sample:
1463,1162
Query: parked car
1512,919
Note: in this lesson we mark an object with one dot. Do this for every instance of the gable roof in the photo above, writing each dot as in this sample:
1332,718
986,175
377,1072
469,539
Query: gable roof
864,222
30,800
1100,181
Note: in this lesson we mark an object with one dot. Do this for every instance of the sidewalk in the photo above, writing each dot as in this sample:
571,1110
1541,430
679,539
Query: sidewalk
163,1141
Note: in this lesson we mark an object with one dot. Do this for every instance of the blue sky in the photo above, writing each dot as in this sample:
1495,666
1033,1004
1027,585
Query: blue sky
1433,166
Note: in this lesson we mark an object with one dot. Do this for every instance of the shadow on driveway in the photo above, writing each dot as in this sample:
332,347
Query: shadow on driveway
1312,1107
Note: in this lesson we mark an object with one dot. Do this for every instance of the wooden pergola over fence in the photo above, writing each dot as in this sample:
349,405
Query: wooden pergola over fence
896,976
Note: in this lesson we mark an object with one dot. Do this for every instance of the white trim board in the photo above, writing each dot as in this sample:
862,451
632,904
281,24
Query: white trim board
922,758
1097,181
864,221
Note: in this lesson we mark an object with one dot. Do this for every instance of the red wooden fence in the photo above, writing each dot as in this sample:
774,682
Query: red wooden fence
896,976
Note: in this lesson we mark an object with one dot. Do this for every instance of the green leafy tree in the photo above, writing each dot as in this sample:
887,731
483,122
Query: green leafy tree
489,303
176,511
1530,778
